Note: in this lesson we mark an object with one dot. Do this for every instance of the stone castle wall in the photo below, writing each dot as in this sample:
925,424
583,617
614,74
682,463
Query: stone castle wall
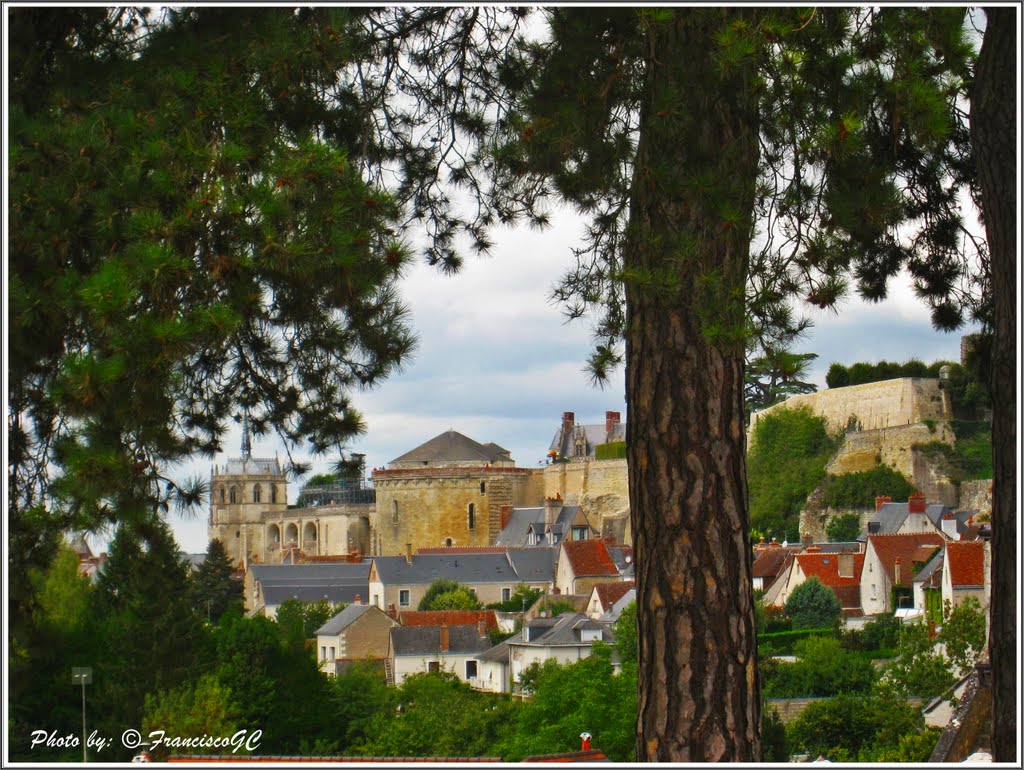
874,405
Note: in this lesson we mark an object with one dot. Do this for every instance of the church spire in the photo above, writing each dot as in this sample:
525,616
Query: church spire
246,446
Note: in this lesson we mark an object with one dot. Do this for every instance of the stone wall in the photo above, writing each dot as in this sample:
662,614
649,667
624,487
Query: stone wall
976,496
599,487
874,405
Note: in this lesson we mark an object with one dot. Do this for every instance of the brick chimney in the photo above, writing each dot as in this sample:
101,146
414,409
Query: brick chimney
611,419
552,507
846,564
806,540
408,553
916,502
444,638
506,514
481,626
392,612
358,599
568,420
881,500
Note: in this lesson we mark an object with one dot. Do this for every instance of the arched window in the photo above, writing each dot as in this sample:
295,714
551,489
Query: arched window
257,493
483,487
232,495
394,511
472,516
448,543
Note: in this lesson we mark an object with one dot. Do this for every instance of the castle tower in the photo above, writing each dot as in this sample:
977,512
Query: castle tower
244,493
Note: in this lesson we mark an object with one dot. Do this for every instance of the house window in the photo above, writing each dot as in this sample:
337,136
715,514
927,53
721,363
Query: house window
483,487
433,667
470,669
579,533
472,516
872,590
506,594
257,493
332,654
403,598
323,653
231,495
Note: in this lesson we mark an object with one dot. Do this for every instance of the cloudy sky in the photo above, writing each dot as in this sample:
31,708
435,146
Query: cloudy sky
498,362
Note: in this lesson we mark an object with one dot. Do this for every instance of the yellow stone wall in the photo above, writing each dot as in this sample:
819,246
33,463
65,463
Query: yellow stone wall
885,404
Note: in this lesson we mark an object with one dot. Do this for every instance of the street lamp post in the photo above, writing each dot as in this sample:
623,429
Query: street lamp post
82,676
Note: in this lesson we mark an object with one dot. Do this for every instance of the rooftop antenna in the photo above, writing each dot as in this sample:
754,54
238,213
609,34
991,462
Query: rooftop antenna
246,446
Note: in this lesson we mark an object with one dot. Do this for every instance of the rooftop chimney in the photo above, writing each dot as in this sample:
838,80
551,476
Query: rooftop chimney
506,514
611,419
568,420
806,540
408,553
358,599
392,612
881,500
444,638
916,503
846,565
552,507
481,626
584,741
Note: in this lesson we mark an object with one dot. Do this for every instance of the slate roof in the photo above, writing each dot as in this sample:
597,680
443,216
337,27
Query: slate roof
890,516
536,564
448,618
594,434
452,446
612,614
565,631
589,558
254,466
966,563
931,573
426,640
344,619
516,529
497,654
622,556
915,547
274,595
466,568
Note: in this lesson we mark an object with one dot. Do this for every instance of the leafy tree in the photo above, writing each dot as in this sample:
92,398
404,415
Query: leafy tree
565,700
299,620
439,716
215,587
881,632
789,449
358,694
64,594
773,731
963,634
919,668
822,669
625,636
555,607
813,605
843,528
522,598
446,594
205,708
840,728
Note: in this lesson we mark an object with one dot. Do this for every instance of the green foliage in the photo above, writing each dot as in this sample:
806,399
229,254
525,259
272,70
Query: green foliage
840,728
774,376
969,458
64,594
566,700
963,634
844,528
615,450
882,632
912,747
552,608
813,605
521,599
859,489
789,450
216,588
919,669
439,716
358,695
205,708
445,594
300,619
624,632
823,668
773,736
782,642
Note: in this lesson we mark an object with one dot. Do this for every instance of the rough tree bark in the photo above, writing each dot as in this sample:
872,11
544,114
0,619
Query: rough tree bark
994,113
699,697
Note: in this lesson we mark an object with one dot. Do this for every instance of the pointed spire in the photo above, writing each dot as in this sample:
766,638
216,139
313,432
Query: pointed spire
246,446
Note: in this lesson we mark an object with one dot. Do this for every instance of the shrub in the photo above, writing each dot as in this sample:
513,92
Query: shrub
822,669
843,528
881,633
859,490
813,605
615,450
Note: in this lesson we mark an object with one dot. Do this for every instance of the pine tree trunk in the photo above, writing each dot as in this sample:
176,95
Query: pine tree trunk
994,112
685,266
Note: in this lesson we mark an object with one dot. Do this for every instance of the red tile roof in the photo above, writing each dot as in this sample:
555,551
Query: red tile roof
911,548
589,558
825,567
609,593
772,561
448,618
966,563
